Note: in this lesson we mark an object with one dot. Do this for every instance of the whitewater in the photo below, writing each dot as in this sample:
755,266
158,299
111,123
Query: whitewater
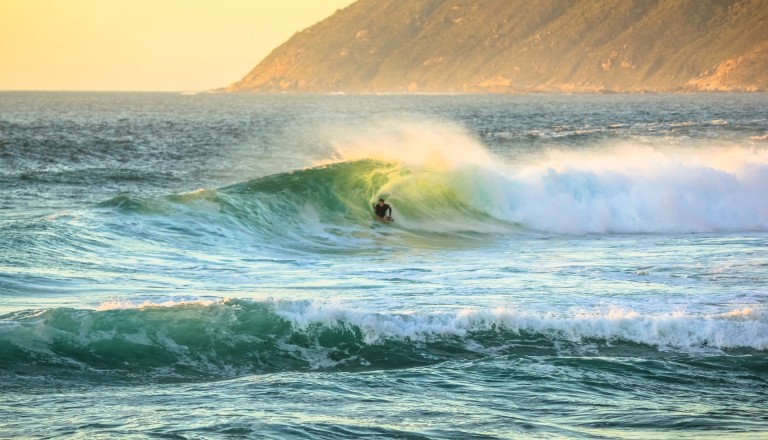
209,266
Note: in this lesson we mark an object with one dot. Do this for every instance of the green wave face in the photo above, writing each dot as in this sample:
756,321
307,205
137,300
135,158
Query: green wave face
329,208
335,193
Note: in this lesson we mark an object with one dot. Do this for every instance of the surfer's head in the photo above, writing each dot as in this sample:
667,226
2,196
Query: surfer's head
381,201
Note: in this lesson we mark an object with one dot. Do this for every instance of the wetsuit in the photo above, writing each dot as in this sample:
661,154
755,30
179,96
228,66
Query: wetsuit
381,210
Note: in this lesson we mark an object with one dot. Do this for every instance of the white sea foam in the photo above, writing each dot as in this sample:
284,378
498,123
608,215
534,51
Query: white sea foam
630,189
674,329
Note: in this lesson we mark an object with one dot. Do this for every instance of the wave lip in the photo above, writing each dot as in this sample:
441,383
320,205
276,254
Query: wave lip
238,337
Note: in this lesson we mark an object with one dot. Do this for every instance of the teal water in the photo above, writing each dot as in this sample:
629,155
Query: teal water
208,266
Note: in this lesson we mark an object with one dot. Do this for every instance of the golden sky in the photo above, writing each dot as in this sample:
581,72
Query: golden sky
144,45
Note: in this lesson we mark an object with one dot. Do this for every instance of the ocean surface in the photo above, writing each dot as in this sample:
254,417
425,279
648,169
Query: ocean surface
207,266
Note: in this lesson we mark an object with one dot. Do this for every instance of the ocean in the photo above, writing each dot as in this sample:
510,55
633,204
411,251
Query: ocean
207,266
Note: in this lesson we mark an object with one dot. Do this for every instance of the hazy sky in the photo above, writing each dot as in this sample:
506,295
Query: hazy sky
174,45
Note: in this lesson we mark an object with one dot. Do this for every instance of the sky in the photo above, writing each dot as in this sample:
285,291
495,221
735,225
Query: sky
144,45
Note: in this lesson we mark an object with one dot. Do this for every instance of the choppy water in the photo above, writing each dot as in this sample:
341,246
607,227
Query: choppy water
208,266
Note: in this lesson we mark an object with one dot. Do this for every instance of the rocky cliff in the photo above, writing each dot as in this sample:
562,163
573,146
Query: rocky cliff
525,46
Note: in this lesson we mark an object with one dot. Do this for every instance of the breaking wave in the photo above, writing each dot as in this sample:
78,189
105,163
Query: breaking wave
440,180
187,341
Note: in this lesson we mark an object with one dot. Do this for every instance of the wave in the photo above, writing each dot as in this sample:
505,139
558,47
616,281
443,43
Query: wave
441,181
184,341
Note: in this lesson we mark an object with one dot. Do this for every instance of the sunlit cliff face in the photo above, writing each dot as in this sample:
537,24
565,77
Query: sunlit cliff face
524,46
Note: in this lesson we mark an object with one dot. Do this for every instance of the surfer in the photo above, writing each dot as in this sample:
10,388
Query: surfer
381,209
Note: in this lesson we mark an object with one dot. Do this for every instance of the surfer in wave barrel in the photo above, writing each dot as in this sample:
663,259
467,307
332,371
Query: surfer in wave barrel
383,211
